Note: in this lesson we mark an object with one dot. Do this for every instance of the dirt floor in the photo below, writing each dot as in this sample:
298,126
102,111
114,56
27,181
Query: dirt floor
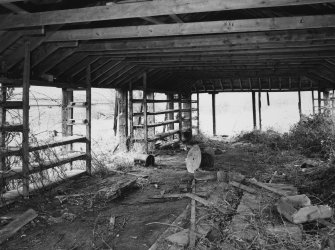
139,220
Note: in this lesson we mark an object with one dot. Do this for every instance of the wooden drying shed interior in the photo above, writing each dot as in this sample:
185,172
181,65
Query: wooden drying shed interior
177,47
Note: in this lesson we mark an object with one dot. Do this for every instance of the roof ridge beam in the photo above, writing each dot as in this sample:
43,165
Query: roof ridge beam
138,10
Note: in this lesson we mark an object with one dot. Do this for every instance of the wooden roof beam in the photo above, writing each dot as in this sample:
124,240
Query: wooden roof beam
196,28
141,9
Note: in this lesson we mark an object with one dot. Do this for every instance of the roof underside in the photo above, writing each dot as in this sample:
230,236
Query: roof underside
205,46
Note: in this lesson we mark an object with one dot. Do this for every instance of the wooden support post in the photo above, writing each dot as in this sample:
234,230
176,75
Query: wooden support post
89,119
254,109
25,132
313,104
299,103
3,167
186,116
268,98
326,102
260,110
214,114
145,117
131,112
151,120
122,119
180,117
171,107
127,114
319,101
198,113
3,97
67,114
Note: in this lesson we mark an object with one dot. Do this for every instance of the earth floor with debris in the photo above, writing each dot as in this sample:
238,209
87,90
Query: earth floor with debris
150,207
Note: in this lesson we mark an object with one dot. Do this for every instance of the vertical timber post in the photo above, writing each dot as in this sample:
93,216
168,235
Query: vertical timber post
122,119
127,114
151,120
198,114
214,114
3,96
180,117
326,102
131,113
89,119
319,101
254,109
67,114
170,107
260,109
299,103
313,104
145,113
3,167
25,132
187,117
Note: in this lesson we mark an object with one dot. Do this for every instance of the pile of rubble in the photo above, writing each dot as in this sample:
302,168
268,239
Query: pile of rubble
230,211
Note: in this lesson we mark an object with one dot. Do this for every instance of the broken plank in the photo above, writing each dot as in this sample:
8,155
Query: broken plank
172,229
115,192
136,175
268,188
9,230
194,197
243,187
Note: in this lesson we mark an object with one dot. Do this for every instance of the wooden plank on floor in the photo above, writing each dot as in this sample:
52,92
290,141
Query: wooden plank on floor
14,226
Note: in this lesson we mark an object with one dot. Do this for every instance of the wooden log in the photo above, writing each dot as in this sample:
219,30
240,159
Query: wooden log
193,159
196,158
14,226
144,159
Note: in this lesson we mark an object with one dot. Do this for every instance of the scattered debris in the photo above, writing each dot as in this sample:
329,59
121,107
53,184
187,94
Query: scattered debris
181,238
172,229
14,226
298,209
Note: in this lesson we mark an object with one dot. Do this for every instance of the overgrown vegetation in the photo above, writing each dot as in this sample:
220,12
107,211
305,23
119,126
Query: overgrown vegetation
312,136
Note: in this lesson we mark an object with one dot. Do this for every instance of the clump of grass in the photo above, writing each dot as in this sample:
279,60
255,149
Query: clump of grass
270,138
312,136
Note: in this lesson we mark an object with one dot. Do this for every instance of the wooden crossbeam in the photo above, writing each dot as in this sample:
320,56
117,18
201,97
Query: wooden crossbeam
138,10
228,39
196,28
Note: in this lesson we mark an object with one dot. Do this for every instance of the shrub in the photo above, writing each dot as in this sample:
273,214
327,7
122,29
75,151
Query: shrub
314,136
